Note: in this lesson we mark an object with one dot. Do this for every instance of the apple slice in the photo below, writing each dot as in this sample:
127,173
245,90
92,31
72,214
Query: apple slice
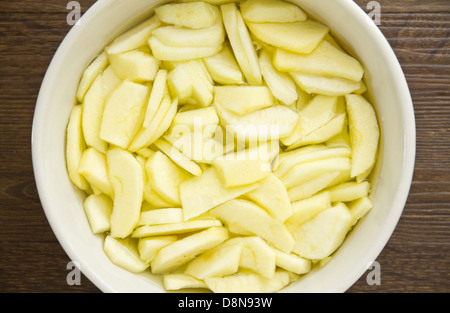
241,43
148,247
135,37
124,253
266,11
313,186
272,196
281,84
161,216
127,179
159,88
248,282
174,228
328,86
93,168
94,105
223,67
193,15
349,191
220,261
298,37
177,281
243,100
256,220
98,210
75,146
178,158
321,236
325,60
201,194
136,65
292,262
364,133
186,249
90,74
358,208
166,177
123,114
194,120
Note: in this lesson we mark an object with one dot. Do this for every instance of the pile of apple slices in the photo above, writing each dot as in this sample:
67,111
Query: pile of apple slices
225,147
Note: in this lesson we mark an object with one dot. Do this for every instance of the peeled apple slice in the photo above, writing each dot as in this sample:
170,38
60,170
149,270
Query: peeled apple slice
136,65
243,100
92,71
264,11
186,249
174,228
98,210
328,86
127,179
161,216
223,67
148,247
321,236
93,168
124,253
194,15
292,262
179,281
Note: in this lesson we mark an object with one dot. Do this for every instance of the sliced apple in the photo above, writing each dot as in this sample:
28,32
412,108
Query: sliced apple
135,65
187,248
90,73
328,86
298,37
358,208
241,43
127,179
159,88
178,158
325,60
174,228
135,37
194,120
161,216
321,236
193,15
313,186
223,67
98,210
243,100
349,191
271,195
124,113
201,194
266,11
148,247
75,146
93,106
220,261
166,177
253,218
94,169
177,281
364,133
281,84
292,262
124,253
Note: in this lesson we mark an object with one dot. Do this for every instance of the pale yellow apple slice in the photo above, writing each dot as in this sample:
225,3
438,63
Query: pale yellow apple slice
248,282
124,253
325,60
92,71
135,65
281,84
256,220
166,177
364,133
223,67
243,100
194,120
123,114
329,86
193,15
321,236
292,262
220,261
93,106
173,53
127,179
298,37
177,281
201,194
313,186
148,247
75,146
271,195
187,248
94,169
156,95
98,210
266,11
178,158
349,191
241,43
174,228
161,216
135,37
358,208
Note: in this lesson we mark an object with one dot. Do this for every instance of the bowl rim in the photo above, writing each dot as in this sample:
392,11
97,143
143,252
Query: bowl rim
407,114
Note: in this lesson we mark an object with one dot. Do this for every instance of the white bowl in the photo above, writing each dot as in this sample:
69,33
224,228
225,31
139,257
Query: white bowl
105,20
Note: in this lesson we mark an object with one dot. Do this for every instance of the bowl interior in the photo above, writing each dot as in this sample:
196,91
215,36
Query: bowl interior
107,19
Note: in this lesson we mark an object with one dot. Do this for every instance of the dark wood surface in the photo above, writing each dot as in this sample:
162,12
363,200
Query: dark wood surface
417,257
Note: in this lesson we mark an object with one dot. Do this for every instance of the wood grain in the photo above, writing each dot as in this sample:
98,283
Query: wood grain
417,257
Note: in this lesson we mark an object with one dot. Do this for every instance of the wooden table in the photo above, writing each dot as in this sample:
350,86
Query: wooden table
416,259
